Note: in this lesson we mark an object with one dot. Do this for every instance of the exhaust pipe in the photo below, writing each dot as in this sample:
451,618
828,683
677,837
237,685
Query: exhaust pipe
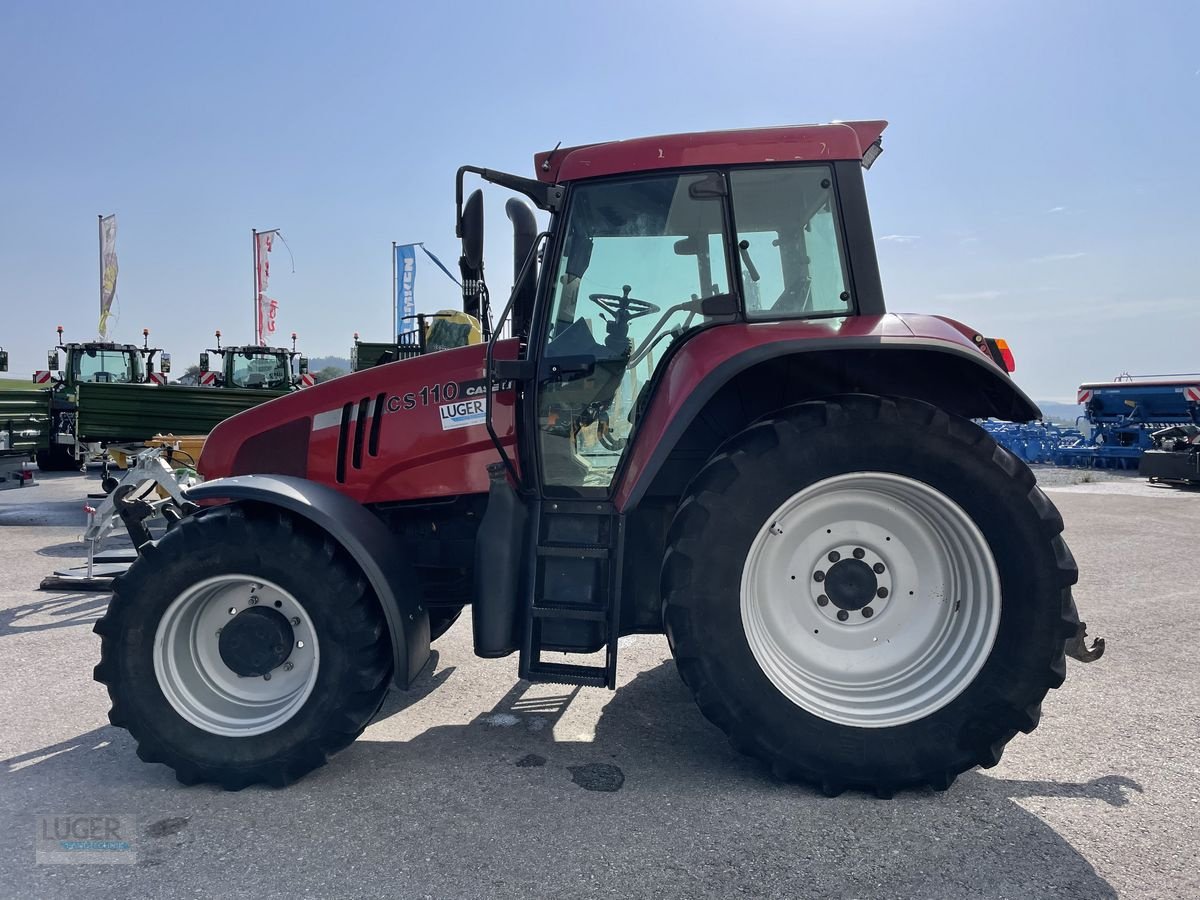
524,236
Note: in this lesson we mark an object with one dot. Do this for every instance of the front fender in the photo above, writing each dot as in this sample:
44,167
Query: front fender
360,534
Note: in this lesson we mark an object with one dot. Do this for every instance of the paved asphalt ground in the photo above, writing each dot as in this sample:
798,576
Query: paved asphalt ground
477,785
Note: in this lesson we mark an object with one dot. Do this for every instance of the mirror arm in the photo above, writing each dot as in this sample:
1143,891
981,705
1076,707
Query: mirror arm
548,197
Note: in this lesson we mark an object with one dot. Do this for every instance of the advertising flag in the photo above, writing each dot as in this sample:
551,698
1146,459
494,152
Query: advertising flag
406,280
108,270
267,308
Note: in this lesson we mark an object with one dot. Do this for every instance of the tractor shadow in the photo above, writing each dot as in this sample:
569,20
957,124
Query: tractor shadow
655,803
59,611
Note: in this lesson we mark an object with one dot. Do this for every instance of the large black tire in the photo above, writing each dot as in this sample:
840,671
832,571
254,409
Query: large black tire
354,666
743,485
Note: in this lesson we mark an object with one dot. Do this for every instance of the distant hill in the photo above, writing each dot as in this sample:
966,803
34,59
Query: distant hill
1060,412
317,363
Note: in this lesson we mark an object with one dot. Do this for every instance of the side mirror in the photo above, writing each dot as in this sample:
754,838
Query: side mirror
164,363
203,362
3,360
52,361
472,231
304,365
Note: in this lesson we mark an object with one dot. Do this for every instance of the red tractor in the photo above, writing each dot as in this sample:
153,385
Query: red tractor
694,417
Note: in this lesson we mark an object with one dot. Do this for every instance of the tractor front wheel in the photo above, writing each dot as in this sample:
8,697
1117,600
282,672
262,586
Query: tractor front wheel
243,647
868,593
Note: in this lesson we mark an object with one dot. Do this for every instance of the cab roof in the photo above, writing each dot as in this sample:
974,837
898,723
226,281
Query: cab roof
808,143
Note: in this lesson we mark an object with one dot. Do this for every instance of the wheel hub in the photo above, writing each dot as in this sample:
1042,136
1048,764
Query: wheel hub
850,584
256,641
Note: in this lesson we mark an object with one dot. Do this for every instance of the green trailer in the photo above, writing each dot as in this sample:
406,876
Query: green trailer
131,413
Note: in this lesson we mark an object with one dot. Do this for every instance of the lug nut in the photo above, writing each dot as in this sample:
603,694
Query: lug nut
233,610
834,556
859,552
822,600
289,665
878,568
818,576
253,600
295,620
843,615
867,612
881,593
267,677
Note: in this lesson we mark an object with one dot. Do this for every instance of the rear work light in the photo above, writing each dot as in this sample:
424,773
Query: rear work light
1000,352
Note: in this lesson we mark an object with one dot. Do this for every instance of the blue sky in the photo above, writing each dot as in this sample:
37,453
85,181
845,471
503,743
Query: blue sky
1038,180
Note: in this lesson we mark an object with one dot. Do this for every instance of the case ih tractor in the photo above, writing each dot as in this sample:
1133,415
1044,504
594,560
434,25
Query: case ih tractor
694,417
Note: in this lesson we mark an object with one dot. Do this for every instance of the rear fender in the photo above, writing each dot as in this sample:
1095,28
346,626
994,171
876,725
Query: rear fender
699,402
360,534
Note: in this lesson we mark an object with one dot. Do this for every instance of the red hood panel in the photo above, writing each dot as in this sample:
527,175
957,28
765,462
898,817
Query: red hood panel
420,433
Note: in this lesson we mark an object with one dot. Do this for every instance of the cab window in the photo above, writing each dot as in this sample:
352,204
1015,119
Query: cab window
791,254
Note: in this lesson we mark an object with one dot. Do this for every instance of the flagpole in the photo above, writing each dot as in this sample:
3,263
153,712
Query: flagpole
100,243
254,257
395,332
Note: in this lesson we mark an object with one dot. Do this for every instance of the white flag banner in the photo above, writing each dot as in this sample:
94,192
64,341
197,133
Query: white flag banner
267,308
108,270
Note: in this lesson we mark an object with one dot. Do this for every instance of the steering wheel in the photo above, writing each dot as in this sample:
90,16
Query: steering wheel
624,307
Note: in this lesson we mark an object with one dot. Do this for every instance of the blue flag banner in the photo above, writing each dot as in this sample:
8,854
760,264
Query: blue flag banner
406,280
437,262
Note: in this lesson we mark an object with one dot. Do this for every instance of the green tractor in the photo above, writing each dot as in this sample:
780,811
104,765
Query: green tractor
45,417
255,368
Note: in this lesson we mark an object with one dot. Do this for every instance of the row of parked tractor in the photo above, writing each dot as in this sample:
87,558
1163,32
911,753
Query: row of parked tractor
97,400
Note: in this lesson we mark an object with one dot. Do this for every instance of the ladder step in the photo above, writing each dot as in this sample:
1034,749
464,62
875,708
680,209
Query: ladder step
578,551
561,611
567,673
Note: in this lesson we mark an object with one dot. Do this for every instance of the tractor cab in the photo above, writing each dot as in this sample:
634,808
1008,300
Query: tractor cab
103,362
255,368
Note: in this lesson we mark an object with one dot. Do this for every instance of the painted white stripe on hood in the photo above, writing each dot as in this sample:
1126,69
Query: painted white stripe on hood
331,418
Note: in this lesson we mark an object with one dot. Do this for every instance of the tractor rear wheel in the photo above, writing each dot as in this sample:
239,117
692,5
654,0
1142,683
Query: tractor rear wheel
243,647
891,600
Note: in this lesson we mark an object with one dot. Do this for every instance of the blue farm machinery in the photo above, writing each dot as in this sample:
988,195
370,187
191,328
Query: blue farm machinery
1150,424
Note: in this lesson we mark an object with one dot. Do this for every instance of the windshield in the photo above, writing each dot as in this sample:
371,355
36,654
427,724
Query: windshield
118,366
260,370
637,259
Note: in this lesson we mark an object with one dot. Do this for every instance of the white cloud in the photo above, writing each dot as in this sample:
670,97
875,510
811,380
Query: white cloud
969,240
1058,257
1056,209
901,238
967,296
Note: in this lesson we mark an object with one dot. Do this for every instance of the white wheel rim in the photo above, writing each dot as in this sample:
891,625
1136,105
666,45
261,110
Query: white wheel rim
905,654
195,679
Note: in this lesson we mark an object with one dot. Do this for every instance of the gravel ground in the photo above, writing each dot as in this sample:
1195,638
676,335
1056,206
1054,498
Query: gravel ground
478,785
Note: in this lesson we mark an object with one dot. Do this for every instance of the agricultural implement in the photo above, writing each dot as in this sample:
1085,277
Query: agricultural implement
442,330
693,416
1126,419
14,469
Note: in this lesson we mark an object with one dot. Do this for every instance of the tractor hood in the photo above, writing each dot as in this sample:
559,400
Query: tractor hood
403,431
